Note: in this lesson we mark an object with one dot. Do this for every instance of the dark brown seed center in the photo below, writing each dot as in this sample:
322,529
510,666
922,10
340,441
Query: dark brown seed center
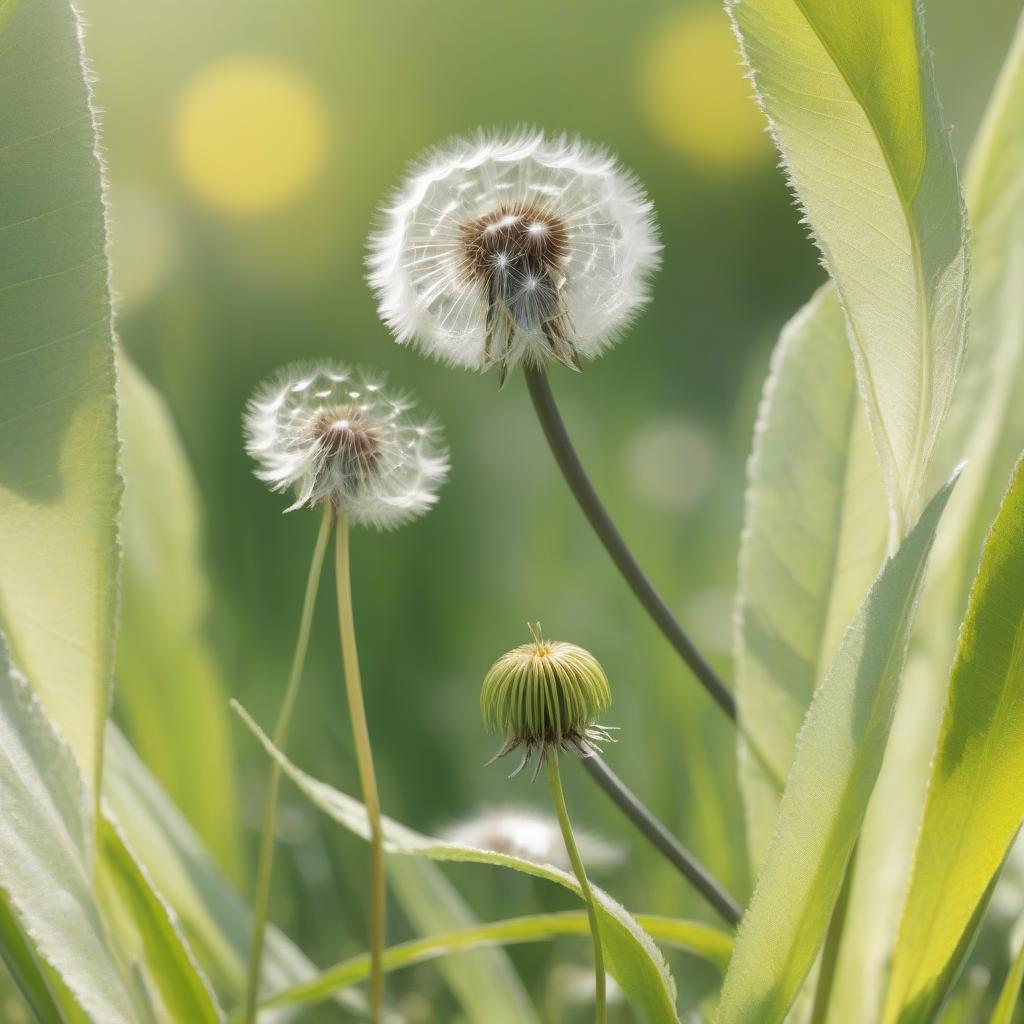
346,435
514,239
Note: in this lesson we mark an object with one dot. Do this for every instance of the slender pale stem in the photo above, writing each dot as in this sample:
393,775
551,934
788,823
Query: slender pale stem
364,760
561,811
663,840
590,504
265,862
833,942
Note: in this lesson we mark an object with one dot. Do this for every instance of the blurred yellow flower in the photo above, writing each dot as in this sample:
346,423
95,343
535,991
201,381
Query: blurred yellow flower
250,134
694,94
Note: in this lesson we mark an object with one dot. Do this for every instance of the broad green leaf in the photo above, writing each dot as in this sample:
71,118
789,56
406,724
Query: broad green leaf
694,937
985,427
1009,995
814,537
46,848
213,916
975,799
848,91
483,980
147,933
59,484
169,690
631,956
838,756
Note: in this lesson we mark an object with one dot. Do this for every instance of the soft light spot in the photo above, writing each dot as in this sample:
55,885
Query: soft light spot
672,463
251,135
143,242
709,613
694,94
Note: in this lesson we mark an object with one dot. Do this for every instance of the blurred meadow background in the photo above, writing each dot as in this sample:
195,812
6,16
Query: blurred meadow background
248,145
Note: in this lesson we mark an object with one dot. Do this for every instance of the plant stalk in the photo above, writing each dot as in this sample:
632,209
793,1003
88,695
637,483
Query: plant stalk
364,761
833,942
586,497
558,796
663,840
265,862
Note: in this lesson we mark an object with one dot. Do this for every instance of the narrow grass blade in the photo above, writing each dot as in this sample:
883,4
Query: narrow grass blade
631,956
694,937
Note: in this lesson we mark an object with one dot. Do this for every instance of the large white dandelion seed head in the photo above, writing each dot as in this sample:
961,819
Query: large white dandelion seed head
532,835
497,250
333,434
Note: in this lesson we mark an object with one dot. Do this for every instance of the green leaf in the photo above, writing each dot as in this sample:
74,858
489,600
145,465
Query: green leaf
814,537
848,91
1009,996
46,854
59,485
838,756
693,936
986,427
975,800
484,981
986,421
170,691
213,916
148,934
632,958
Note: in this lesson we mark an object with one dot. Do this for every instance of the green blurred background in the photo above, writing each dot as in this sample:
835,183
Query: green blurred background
248,144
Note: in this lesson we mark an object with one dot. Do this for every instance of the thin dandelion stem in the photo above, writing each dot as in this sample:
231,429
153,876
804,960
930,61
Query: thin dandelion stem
364,760
265,862
562,812
586,497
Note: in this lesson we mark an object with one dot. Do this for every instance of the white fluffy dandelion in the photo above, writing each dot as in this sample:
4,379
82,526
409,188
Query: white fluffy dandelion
335,435
498,250
531,835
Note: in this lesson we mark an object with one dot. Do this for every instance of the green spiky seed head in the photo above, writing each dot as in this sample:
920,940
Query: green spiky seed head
546,695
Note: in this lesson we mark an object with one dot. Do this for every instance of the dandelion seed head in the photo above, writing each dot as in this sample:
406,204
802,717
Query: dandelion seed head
497,250
333,434
532,835
546,695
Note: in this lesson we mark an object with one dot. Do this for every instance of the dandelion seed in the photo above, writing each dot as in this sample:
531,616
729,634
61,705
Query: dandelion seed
543,696
532,835
337,436
501,250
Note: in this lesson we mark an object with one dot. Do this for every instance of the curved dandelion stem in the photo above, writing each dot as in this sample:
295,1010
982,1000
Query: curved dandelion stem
663,840
562,813
590,504
265,862
364,761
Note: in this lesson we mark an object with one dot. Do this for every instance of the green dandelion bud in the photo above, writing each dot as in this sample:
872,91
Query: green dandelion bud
546,695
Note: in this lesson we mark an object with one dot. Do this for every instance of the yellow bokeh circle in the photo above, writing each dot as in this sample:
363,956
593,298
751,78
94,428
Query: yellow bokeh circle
694,94
250,135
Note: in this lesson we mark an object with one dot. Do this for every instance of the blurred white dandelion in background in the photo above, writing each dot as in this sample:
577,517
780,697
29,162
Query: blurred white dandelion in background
532,835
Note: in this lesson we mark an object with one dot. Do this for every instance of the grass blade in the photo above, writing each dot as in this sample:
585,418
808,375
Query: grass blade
975,802
839,753
692,936
630,954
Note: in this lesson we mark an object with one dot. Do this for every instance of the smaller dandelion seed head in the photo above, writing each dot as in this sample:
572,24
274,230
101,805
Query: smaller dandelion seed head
546,695
337,435
523,247
532,835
